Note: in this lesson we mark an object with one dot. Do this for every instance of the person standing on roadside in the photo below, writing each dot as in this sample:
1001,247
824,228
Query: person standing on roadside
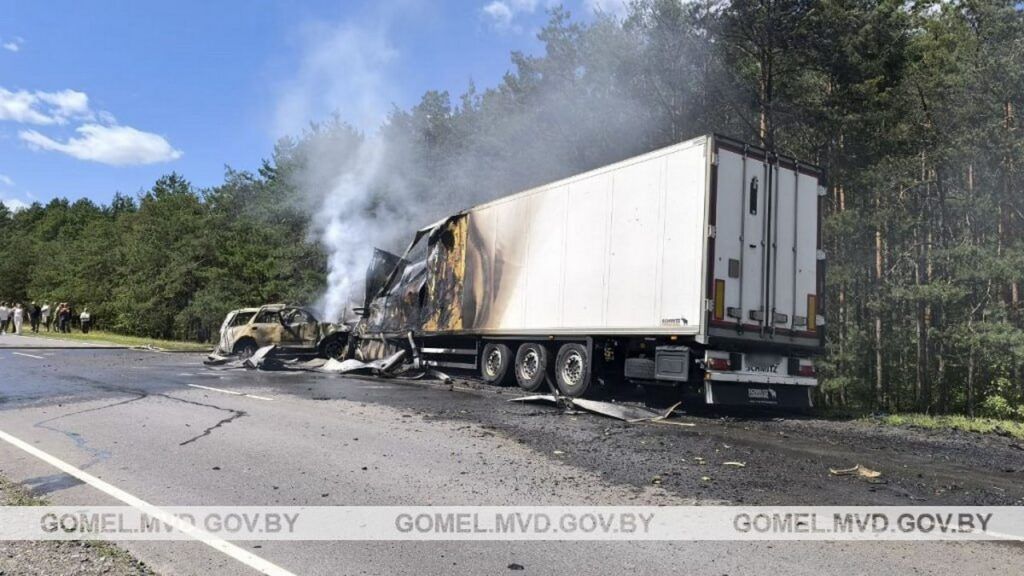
34,314
19,318
86,320
44,315
63,318
5,314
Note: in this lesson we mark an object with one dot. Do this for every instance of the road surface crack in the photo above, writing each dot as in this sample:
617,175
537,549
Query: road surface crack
235,415
80,442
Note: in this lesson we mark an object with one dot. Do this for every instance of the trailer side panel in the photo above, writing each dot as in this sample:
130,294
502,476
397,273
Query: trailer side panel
617,250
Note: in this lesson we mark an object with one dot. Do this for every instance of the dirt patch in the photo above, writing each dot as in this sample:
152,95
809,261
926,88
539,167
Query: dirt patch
785,461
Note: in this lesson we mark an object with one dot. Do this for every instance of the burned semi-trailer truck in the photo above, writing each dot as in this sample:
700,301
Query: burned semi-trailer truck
695,268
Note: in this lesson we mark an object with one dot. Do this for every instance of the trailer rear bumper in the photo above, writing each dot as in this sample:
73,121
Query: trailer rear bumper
758,389
723,393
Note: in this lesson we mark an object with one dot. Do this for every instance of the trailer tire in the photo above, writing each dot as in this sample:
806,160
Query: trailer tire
531,366
496,363
573,372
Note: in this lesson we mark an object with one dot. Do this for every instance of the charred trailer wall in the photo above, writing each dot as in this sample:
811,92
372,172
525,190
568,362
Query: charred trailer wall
618,250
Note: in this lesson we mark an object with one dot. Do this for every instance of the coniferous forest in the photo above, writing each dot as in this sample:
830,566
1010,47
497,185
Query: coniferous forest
913,109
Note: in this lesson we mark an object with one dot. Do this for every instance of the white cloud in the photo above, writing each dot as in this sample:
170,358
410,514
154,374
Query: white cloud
44,108
6,180
13,45
113,145
20,107
67,103
13,204
502,13
617,8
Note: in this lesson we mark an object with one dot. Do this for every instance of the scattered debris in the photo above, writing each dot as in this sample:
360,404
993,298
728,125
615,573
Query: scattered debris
857,470
515,566
735,464
384,366
259,357
624,412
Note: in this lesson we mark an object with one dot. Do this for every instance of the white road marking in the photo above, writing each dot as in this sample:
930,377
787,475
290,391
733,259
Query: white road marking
28,355
233,393
219,544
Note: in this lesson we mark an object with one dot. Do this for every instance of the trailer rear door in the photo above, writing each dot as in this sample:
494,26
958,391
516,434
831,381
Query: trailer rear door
765,283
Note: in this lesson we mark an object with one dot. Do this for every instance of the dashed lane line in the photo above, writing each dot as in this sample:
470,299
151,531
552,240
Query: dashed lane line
232,392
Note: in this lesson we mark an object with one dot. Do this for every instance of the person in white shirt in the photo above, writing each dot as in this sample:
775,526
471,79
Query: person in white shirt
86,320
19,318
5,315
45,316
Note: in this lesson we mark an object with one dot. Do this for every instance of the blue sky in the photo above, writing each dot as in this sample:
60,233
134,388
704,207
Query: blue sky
100,97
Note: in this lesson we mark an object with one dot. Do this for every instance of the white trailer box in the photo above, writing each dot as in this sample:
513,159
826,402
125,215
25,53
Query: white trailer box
708,244
694,239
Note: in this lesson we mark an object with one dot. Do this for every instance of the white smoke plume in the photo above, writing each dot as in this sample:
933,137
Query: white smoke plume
374,184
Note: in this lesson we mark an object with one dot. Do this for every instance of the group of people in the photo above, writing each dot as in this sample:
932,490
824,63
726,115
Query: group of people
58,317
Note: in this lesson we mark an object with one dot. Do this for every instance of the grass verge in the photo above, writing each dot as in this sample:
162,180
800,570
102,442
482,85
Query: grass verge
101,337
1009,428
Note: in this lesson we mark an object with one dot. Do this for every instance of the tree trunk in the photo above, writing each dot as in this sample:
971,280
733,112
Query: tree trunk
880,396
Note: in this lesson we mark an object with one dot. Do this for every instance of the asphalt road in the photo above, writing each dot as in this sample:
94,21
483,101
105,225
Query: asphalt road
138,421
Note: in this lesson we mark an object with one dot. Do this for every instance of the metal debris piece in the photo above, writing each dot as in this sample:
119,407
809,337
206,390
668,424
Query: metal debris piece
259,357
440,375
736,464
383,366
857,470
624,412
549,398
217,360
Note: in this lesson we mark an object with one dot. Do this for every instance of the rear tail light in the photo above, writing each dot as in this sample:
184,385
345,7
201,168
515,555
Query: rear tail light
719,364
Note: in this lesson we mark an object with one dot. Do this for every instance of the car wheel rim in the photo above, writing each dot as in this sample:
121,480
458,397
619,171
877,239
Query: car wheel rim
531,364
572,369
493,363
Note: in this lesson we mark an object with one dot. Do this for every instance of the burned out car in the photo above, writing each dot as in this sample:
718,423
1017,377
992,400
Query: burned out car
290,328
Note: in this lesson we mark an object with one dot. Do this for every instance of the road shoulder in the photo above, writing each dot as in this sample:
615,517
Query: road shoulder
45,558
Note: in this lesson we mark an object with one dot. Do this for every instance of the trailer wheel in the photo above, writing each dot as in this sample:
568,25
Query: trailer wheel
572,370
531,366
495,363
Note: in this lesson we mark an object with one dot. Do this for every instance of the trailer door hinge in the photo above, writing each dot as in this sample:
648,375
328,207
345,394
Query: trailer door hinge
712,231
820,255
714,159
709,305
